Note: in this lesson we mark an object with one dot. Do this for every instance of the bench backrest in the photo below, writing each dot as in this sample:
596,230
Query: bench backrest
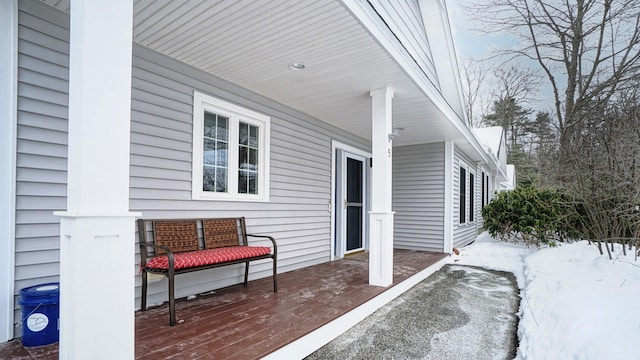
177,235
222,232
182,234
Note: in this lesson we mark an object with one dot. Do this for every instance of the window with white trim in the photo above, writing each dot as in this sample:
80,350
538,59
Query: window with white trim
472,186
462,193
230,151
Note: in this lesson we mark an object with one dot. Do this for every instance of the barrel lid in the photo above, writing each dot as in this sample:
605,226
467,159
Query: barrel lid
41,290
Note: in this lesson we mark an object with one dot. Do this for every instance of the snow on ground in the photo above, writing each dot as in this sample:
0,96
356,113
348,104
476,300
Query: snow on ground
576,303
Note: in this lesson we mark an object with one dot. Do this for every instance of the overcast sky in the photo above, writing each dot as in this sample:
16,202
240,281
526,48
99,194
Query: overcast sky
473,44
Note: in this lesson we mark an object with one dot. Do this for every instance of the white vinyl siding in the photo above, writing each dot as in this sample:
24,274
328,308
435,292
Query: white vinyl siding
404,19
418,197
161,145
465,232
41,167
161,160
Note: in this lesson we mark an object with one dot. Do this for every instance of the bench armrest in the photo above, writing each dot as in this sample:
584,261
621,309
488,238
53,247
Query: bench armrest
273,241
144,254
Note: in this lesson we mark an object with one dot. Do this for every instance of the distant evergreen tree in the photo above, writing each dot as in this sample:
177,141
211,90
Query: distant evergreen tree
513,118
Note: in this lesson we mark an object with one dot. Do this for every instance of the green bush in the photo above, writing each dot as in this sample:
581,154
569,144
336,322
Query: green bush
533,216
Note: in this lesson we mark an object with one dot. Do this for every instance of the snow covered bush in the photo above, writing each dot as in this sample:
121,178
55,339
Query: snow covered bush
533,216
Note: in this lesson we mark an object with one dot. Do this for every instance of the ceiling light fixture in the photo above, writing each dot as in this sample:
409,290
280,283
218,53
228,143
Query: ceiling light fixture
297,66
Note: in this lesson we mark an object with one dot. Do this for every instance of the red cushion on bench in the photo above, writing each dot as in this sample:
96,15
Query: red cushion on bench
208,257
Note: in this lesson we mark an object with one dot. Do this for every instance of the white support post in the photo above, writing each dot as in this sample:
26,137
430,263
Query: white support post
449,148
8,129
381,215
97,230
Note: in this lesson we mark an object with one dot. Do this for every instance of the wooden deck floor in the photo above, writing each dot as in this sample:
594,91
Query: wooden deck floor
250,322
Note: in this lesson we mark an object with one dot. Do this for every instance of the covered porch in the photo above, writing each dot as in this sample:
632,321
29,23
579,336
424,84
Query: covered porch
125,127
313,305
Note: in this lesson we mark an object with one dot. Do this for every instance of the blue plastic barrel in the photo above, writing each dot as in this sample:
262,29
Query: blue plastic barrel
40,307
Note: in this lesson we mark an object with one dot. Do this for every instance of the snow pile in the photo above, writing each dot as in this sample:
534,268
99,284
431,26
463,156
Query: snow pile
575,303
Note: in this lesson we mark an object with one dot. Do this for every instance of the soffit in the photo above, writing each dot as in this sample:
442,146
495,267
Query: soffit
251,43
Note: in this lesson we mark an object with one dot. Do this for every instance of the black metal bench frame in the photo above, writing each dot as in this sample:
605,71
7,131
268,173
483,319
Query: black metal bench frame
177,236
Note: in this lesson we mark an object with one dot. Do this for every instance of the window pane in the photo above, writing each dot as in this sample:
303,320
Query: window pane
210,125
209,178
221,180
222,132
209,153
244,133
221,154
253,136
248,153
253,183
215,152
472,185
462,211
243,158
247,182
253,159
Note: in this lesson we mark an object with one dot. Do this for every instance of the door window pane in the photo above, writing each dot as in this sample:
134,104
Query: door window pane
354,180
354,227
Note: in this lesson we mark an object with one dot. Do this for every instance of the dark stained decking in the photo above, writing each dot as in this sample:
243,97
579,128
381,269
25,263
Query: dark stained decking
250,322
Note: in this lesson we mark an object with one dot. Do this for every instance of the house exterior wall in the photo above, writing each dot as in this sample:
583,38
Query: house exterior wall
298,214
41,166
161,143
404,19
463,233
418,196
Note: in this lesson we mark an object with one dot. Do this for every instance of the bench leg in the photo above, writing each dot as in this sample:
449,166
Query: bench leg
172,301
275,276
246,273
143,298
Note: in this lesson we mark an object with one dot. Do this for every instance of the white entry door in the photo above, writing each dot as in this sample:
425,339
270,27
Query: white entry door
351,203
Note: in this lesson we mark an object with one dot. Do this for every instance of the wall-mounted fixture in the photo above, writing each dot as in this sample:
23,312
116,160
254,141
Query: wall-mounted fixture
395,133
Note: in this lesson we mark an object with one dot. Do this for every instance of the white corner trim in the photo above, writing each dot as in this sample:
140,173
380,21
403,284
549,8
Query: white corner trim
8,130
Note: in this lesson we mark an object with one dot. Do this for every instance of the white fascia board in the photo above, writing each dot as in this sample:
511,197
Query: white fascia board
363,12
435,18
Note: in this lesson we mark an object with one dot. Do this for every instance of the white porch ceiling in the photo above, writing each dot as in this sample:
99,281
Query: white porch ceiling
252,42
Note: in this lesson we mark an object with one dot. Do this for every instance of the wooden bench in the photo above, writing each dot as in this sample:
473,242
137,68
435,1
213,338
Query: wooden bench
172,246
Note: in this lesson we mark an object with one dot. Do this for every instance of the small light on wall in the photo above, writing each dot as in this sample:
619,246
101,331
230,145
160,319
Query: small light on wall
297,66
395,133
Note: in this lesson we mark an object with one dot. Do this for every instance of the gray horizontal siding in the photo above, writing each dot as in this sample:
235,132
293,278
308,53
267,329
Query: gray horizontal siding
463,234
160,182
160,168
418,197
404,19
41,167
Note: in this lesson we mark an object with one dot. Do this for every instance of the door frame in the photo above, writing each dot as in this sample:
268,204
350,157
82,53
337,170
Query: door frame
337,250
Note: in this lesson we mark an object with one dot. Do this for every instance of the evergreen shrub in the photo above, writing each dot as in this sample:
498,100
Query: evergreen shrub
533,216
